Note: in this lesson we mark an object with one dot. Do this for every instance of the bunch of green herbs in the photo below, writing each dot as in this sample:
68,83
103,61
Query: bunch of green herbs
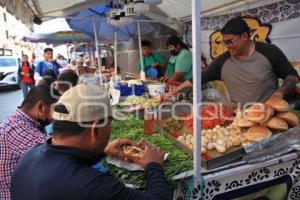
177,162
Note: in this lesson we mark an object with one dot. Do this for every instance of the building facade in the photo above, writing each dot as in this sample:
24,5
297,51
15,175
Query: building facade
11,32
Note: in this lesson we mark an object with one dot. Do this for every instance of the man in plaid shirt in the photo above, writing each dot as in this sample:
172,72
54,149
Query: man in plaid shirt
21,131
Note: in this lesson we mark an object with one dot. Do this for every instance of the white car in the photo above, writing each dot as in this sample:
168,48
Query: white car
9,67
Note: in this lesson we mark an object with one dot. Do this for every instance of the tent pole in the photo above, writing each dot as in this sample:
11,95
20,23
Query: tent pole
196,30
115,54
141,54
97,50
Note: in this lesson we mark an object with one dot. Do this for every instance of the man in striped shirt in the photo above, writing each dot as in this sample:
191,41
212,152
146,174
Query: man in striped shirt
21,131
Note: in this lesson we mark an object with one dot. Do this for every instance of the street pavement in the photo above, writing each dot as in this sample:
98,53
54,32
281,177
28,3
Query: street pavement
10,99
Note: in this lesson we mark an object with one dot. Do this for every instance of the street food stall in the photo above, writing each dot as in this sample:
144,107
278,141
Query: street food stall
235,161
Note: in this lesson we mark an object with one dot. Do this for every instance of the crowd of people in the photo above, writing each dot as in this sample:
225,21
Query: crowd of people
47,153
68,147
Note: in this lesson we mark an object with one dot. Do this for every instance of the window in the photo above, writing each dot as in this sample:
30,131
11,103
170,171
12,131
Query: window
4,17
7,35
8,62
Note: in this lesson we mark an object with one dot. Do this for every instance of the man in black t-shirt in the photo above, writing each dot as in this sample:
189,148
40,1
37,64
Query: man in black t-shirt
250,70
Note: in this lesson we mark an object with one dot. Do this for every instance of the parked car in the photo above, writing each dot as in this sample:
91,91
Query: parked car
9,66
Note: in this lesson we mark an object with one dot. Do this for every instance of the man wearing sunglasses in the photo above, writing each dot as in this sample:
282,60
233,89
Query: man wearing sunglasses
250,70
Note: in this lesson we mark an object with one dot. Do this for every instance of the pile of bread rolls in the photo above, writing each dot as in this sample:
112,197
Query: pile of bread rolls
262,119
256,123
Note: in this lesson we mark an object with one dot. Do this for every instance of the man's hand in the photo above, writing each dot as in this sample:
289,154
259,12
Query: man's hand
287,87
163,79
152,154
155,64
114,148
277,94
167,96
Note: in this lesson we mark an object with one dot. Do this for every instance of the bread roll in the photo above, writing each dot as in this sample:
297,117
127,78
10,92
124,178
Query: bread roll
259,113
278,104
277,124
243,122
132,152
289,117
258,133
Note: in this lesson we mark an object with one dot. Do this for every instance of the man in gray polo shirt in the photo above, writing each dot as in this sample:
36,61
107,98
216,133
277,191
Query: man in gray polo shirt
250,70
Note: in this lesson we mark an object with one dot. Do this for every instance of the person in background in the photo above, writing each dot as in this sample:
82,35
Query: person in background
51,73
109,72
26,73
52,83
33,58
79,65
249,69
47,80
80,139
152,60
87,63
180,67
72,65
66,80
46,65
21,131
62,61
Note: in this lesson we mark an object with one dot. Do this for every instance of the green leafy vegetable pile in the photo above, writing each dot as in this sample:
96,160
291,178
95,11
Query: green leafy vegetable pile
133,128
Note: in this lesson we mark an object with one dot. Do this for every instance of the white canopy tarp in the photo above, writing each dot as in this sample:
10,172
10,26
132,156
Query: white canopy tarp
168,9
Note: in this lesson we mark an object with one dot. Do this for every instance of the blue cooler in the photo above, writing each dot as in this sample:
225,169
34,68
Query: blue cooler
124,89
138,89
127,91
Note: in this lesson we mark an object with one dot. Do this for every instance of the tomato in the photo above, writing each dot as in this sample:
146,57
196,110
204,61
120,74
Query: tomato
211,116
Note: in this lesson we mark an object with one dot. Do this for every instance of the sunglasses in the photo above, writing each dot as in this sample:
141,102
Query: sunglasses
230,41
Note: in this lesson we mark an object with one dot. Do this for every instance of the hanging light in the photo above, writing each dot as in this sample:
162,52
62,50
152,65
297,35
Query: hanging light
119,16
140,6
129,9
153,2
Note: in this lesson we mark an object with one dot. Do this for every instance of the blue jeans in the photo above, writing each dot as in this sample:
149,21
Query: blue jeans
25,87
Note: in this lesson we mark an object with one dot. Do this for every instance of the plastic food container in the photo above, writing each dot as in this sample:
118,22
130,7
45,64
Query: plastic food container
156,89
125,90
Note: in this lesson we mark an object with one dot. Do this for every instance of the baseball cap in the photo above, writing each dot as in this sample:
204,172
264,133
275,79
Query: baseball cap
84,103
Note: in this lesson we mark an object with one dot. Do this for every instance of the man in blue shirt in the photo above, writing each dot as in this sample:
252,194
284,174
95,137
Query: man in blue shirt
61,168
47,66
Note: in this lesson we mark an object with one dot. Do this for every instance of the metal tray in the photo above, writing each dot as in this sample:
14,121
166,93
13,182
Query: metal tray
213,159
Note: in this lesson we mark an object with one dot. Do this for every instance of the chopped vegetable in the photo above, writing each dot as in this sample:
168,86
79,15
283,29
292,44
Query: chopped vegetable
132,100
211,116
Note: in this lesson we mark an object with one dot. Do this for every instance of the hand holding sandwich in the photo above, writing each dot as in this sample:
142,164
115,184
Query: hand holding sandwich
150,154
141,153
114,148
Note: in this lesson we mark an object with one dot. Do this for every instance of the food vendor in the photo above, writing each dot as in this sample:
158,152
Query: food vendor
250,70
180,67
154,63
